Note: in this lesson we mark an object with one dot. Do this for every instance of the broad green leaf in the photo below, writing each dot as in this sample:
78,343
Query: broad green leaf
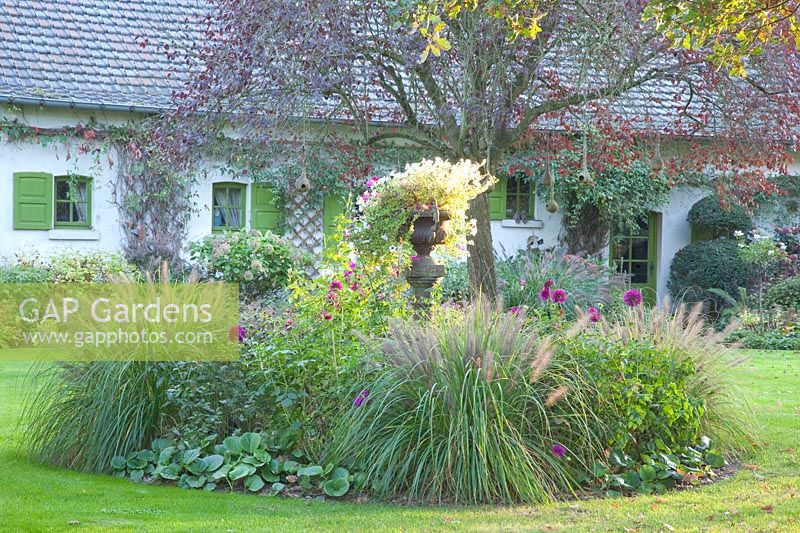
213,462
232,444
254,483
309,471
239,471
336,487
250,442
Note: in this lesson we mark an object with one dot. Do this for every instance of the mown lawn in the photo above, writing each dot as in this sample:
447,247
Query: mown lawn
764,496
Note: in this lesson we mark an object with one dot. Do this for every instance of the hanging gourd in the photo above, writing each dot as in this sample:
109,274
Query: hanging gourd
584,176
301,183
656,161
547,176
552,205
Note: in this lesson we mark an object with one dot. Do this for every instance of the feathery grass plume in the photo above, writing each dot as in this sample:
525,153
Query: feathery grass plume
684,332
456,416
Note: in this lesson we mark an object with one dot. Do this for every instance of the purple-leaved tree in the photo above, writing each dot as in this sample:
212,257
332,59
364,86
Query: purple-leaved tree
266,64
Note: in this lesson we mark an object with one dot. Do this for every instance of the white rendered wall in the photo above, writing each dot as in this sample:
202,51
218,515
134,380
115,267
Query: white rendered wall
56,158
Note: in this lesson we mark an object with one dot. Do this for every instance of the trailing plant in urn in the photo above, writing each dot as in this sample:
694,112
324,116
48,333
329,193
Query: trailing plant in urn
420,208
390,205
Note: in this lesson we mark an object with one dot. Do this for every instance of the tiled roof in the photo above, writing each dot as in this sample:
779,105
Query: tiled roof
89,52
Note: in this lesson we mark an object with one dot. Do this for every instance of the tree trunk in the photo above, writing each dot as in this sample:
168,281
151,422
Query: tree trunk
482,276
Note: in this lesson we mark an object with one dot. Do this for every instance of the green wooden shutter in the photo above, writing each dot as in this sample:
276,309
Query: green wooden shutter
332,207
497,200
264,214
33,200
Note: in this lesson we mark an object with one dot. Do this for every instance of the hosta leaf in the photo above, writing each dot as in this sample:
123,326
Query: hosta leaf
309,471
165,455
213,462
250,442
171,471
336,487
263,456
232,444
221,472
254,483
647,473
190,455
239,471
147,455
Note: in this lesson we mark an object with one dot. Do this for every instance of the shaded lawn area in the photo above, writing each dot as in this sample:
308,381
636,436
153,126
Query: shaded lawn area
764,496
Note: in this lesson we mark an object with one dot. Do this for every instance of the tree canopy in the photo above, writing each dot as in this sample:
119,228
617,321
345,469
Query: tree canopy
597,74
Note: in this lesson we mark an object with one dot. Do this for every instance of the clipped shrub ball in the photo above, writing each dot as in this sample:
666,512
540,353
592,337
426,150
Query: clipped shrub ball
707,265
785,294
710,218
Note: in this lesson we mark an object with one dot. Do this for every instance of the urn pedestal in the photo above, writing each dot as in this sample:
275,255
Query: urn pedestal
430,229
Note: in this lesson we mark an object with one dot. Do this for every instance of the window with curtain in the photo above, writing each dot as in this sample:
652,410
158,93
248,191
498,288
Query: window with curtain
73,202
519,199
228,206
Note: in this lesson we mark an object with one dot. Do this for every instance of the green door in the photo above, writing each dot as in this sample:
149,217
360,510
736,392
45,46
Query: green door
636,255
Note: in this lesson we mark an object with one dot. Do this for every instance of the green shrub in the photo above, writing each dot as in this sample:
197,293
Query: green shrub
23,274
674,366
709,216
257,262
642,393
469,410
705,265
89,267
68,267
784,294
765,340
215,398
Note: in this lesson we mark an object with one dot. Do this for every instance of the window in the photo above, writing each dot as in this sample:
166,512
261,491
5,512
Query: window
228,206
73,202
519,199
512,198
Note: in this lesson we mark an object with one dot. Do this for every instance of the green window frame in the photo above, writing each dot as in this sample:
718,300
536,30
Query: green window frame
510,196
228,201
72,202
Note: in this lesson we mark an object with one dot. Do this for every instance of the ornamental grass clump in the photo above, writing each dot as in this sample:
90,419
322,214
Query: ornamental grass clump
472,408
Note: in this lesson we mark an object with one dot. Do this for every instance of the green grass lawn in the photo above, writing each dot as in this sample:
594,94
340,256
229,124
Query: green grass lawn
764,496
